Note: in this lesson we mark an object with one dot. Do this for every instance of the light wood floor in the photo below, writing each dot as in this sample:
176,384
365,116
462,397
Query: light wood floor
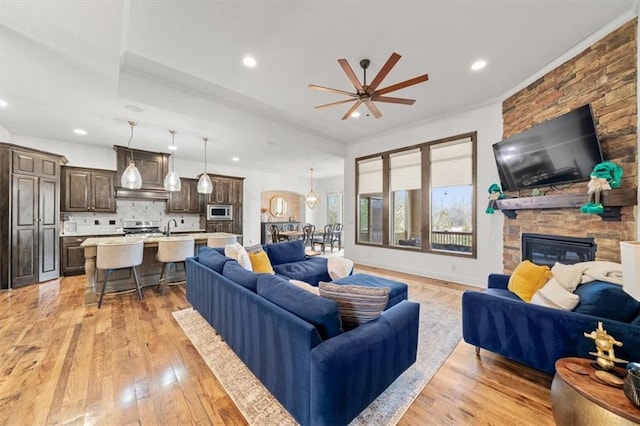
130,363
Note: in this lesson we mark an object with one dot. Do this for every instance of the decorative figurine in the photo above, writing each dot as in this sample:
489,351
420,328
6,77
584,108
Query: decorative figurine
495,194
604,347
605,175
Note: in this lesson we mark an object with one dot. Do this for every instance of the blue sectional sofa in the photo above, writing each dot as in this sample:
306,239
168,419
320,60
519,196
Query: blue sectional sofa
293,340
499,321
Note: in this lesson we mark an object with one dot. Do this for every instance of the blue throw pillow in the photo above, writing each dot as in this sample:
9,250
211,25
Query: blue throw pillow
322,313
285,252
213,259
235,272
606,300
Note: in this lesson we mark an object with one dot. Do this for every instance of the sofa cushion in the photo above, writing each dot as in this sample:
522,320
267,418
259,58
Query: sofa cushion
357,304
213,259
260,262
527,278
285,252
237,273
238,253
322,313
555,295
312,270
306,286
502,292
606,300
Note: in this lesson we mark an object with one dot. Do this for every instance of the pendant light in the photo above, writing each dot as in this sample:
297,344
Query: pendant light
172,180
204,184
131,178
312,198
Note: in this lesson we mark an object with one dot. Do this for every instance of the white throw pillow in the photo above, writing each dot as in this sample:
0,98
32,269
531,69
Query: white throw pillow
554,295
568,276
237,252
306,286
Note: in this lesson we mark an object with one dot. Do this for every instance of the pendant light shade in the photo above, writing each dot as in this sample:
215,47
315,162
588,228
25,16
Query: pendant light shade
312,198
204,184
131,178
172,180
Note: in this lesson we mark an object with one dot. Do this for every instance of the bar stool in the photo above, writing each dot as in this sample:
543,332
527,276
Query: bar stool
111,256
221,241
172,250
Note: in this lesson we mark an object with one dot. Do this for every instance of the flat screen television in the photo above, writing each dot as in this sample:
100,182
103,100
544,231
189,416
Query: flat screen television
561,150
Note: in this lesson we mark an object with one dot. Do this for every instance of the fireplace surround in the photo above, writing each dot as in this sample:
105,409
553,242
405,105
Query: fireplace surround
543,249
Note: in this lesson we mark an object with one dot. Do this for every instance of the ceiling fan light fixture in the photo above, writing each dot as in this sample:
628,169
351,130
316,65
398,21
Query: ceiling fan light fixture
131,178
204,183
311,199
172,180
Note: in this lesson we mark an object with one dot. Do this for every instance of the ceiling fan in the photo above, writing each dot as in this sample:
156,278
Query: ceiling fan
368,93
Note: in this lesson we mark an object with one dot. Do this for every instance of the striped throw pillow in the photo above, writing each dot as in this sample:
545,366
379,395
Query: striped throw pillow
357,304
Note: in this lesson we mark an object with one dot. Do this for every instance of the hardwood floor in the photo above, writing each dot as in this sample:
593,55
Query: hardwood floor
130,363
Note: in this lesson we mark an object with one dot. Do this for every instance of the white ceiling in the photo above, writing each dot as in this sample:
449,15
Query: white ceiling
83,64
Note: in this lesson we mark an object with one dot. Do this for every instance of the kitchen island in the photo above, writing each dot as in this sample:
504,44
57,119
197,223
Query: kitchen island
150,270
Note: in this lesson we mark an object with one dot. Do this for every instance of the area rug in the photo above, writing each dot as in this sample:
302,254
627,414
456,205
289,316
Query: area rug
439,333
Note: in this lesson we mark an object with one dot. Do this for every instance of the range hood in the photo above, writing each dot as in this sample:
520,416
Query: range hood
141,194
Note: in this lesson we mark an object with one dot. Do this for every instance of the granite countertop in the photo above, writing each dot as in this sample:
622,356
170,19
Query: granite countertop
198,236
120,232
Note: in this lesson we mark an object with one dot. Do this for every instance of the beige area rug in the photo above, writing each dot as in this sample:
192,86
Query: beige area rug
439,333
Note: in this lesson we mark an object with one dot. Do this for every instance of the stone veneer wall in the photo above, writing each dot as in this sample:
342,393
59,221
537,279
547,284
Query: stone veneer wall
604,75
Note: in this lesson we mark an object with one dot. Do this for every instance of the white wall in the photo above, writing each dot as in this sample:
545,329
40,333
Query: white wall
318,216
82,155
5,135
487,121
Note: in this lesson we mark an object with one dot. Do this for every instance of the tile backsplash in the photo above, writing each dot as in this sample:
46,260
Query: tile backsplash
86,223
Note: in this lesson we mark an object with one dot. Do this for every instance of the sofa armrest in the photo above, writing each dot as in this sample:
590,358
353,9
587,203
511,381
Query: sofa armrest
369,358
498,281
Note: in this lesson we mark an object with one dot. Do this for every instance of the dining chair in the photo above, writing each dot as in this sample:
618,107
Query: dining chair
336,236
323,240
275,234
112,256
308,231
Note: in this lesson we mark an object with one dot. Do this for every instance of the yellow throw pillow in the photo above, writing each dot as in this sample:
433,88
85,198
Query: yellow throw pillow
527,278
260,262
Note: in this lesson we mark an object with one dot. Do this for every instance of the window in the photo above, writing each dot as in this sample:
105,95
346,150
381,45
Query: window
334,207
420,198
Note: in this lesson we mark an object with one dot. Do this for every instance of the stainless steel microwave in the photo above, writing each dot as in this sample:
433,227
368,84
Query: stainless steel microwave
219,212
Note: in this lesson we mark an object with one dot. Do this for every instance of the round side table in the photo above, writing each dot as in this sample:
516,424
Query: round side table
577,399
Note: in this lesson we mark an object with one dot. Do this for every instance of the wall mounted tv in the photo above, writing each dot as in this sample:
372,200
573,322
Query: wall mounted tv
561,150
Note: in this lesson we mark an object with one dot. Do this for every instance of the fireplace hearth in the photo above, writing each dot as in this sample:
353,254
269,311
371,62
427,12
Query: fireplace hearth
544,249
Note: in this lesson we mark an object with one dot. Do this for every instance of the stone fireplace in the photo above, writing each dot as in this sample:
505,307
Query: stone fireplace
605,76
543,249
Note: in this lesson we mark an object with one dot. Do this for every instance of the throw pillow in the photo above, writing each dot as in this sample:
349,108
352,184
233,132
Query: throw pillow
256,248
555,295
568,276
306,286
607,300
260,262
357,304
238,253
527,278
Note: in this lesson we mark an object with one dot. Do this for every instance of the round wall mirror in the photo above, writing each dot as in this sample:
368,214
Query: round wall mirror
278,206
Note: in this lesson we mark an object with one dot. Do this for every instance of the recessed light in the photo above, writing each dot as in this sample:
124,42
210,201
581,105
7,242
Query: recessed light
478,65
172,148
235,158
79,132
3,103
249,61
355,114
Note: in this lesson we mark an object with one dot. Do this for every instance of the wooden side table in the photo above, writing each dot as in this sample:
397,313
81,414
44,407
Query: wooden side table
577,399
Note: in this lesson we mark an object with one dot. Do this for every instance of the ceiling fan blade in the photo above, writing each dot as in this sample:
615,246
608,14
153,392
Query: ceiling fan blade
333,103
330,90
373,108
353,108
393,59
352,76
402,85
391,100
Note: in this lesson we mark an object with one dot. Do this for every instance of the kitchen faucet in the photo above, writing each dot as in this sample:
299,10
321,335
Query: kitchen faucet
167,229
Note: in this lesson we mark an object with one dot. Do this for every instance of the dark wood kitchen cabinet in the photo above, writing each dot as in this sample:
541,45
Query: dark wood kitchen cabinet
153,166
72,259
88,190
30,215
226,190
187,200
